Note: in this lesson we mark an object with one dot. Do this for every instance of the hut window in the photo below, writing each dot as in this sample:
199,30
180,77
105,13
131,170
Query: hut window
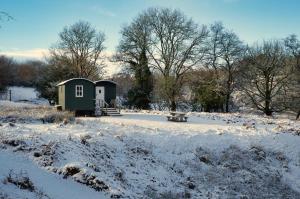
79,90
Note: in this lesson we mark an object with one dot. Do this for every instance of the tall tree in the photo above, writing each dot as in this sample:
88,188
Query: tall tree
293,47
266,76
78,53
225,50
177,45
80,47
212,58
132,51
232,51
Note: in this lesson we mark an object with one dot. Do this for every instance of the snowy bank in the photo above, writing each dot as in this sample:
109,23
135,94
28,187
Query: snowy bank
142,155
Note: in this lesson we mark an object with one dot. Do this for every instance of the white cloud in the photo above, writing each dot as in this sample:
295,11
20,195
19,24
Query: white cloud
38,53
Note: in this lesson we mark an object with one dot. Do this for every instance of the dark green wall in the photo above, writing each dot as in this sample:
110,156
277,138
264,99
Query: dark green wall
110,90
86,102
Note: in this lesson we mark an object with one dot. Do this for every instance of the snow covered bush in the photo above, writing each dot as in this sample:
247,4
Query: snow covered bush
70,170
57,117
21,180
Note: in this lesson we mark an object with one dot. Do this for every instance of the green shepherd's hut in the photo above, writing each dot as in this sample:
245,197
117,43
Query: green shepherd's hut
85,97
77,95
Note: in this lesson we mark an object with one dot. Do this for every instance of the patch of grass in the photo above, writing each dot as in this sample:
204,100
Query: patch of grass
84,139
13,142
35,113
46,155
70,171
58,117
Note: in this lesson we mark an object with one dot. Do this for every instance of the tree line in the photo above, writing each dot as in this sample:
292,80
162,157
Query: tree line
211,60
167,58
13,73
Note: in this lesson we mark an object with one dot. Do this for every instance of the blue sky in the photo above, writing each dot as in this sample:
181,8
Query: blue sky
37,23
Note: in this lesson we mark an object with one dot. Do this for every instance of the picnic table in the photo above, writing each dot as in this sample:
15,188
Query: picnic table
177,117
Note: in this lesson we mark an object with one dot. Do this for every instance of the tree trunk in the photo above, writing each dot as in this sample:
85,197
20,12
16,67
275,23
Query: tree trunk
268,113
228,91
173,105
268,110
227,102
298,115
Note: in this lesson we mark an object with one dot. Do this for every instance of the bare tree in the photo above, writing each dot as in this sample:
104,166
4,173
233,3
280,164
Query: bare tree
265,76
177,45
225,50
293,47
213,56
80,47
232,51
134,42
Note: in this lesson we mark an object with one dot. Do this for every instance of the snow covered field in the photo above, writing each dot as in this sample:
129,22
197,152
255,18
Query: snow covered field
29,94
23,93
141,155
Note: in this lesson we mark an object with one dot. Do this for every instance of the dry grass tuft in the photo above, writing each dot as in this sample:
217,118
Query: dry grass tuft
45,114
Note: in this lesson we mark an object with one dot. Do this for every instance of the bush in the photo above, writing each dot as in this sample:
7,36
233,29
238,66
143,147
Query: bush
210,97
21,180
70,170
139,99
57,117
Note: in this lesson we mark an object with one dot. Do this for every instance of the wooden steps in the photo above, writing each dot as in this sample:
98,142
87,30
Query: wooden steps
110,112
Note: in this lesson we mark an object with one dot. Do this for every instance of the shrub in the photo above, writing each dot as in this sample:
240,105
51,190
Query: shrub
21,180
57,117
70,171
13,142
84,139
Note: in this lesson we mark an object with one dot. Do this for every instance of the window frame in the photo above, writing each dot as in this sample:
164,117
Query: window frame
78,90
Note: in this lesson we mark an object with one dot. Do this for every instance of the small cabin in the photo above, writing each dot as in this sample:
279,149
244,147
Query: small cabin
77,95
85,97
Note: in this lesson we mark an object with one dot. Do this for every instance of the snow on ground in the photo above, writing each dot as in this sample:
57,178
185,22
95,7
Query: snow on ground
141,155
23,93
52,186
26,94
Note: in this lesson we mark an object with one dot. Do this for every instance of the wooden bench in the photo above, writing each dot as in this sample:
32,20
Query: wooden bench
177,117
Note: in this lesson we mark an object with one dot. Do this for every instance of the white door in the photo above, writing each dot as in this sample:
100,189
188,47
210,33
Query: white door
99,99
100,93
